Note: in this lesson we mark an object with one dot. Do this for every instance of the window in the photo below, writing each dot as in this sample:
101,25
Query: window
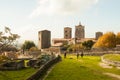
66,35
65,31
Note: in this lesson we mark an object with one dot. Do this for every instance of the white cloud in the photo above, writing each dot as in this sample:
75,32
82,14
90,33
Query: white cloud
63,7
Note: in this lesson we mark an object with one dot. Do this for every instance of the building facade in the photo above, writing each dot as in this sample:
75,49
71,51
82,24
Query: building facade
67,33
44,39
79,32
98,34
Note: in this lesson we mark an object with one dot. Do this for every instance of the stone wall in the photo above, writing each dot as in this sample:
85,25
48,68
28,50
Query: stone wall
31,63
20,64
43,69
99,53
12,65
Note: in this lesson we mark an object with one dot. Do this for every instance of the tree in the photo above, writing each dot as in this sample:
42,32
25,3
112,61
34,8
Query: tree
88,44
3,58
65,46
74,47
9,48
108,40
27,45
7,38
118,38
33,49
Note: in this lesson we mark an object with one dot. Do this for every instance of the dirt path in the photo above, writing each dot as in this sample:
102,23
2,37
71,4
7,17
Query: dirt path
113,75
105,65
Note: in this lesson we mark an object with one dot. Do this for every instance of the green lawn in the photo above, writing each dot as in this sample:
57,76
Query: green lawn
86,68
113,57
17,75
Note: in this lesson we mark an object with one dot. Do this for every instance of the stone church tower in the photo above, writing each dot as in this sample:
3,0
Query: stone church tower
44,39
79,31
67,33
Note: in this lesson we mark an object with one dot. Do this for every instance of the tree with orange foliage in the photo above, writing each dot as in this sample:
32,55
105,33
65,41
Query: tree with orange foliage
108,40
118,38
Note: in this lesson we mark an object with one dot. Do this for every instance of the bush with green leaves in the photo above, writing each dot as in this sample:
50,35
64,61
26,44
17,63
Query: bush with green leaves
3,58
27,45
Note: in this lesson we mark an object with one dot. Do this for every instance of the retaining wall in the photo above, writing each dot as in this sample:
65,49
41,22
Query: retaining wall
43,69
12,66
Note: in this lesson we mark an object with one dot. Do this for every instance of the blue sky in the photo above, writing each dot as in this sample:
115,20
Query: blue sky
27,17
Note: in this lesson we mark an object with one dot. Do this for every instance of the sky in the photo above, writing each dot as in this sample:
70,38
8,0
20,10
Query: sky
27,17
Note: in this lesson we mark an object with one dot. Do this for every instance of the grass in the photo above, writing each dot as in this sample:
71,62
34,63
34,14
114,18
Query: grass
86,68
17,75
113,57
22,74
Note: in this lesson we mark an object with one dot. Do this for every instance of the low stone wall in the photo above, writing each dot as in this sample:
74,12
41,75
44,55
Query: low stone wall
31,63
12,66
99,53
94,53
115,63
43,69
20,64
